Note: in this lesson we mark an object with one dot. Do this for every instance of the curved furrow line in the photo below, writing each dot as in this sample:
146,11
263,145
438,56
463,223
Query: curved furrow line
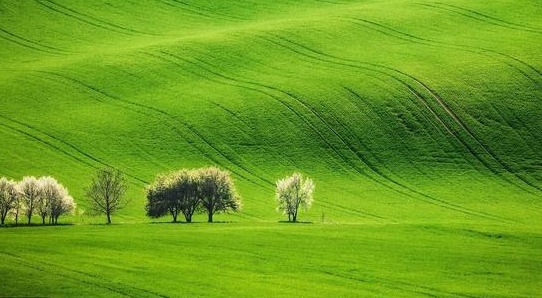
304,106
243,84
427,119
281,158
63,142
432,93
340,208
204,12
391,32
515,130
478,17
213,13
100,21
371,166
77,275
240,83
229,157
385,30
49,5
29,44
534,69
171,120
32,265
427,197
45,143
519,26
467,129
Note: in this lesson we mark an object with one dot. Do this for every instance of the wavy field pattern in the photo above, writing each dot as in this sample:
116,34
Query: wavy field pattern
393,107
420,122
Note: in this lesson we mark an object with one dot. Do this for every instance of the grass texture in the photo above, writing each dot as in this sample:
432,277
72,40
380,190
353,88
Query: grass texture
419,122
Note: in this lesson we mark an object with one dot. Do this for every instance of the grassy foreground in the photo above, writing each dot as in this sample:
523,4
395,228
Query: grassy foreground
419,122
273,259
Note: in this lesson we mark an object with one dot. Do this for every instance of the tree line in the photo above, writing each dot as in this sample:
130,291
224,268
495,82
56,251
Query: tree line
211,190
31,196
187,191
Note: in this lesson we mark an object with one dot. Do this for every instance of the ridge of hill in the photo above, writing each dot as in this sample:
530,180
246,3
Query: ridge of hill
401,111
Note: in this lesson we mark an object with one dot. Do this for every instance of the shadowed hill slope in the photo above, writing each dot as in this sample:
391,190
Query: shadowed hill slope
400,110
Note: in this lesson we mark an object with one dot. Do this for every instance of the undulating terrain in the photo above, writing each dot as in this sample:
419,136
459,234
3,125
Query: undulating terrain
419,121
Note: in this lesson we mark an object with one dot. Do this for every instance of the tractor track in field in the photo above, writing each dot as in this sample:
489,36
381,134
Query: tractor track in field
425,117
236,82
350,63
392,32
44,142
27,43
153,112
471,14
351,211
205,12
81,277
307,121
228,156
374,169
383,70
57,140
255,87
85,18
281,158
398,285
515,130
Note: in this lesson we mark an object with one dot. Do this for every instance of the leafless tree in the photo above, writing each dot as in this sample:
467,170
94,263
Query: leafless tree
106,192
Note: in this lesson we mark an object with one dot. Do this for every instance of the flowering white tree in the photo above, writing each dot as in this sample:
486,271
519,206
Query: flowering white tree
294,192
30,194
66,205
8,197
54,200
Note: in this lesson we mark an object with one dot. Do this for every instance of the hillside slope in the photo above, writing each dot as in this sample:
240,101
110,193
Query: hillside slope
406,111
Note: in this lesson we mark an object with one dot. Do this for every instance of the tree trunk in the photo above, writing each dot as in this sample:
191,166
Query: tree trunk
3,219
108,218
289,216
29,218
188,217
174,216
210,216
43,220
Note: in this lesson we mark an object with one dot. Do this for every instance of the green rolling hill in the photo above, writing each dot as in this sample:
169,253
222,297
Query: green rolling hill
392,106
419,121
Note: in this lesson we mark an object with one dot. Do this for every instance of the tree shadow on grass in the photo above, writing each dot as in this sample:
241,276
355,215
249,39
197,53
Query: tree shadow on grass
295,222
190,223
35,225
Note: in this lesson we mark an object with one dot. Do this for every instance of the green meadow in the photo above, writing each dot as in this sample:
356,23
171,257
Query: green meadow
420,123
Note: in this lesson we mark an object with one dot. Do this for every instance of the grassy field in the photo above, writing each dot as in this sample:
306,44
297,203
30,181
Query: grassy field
419,121
149,260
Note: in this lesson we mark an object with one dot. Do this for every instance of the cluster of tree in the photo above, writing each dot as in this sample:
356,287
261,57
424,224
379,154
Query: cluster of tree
294,192
43,196
207,190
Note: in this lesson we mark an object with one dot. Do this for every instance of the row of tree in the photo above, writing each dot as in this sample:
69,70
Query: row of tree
210,190
43,196
206,190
